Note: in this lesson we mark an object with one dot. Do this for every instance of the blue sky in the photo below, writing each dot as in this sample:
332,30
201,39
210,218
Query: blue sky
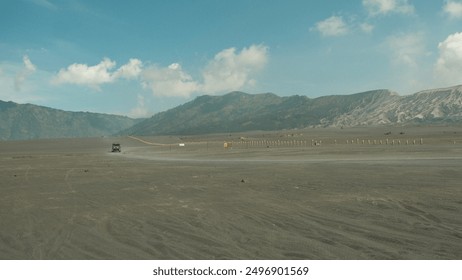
140,57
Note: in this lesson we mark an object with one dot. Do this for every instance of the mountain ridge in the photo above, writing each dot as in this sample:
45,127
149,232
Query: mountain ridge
28,121
238,111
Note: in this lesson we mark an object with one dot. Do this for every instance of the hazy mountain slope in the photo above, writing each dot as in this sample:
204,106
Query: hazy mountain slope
26,121
239,111
232,112
430,106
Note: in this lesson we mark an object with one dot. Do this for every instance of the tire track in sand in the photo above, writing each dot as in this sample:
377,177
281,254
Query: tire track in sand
147,142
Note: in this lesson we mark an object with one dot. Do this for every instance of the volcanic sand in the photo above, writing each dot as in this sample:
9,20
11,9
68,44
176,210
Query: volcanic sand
273,195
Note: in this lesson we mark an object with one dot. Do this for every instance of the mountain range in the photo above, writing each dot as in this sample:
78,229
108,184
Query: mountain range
27,121
238,111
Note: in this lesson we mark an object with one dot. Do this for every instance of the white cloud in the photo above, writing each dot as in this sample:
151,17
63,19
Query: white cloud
29,68
406,49
131,70
230,70
333,26
453,9
96,75
169,81
383,7
82,74
448,68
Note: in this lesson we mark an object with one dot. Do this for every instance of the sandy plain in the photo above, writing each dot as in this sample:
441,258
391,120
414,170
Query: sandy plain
273,195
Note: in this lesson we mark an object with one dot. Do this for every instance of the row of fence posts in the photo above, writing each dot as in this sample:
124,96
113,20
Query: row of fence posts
305,143
272,143
384,142
276,143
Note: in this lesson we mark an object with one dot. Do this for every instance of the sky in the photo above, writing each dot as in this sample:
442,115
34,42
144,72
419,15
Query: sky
140,57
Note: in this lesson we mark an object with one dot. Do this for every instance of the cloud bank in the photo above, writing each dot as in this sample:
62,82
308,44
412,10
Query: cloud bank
129,71
448,68
169,81
82,74
229,70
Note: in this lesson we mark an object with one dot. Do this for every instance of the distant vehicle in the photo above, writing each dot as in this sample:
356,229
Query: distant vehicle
116,147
